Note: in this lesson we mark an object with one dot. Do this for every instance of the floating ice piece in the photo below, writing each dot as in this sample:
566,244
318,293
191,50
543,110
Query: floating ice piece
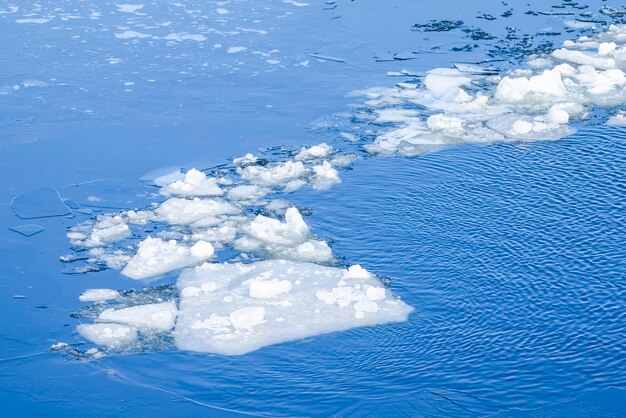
515,90
315,152
109,335
268,302
325,176
152,317
177,211
522,127
294,230
162,176
131,34
236,49
195,183
277,174
40,203
618,119
108,193
245,160
37,20
185,37
27,230
108,228
582,58
129,8
96,295
156,256
249,193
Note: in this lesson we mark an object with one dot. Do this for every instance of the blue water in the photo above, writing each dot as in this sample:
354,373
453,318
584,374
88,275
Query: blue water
512,255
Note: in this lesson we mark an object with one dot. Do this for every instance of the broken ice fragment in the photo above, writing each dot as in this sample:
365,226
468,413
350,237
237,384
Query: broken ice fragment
27,230
268,302
109,335
151,317
96,295
40,203
156,256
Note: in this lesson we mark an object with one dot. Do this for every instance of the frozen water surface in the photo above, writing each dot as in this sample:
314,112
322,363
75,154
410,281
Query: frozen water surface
227,188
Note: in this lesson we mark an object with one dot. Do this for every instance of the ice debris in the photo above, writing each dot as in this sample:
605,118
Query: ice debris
538,103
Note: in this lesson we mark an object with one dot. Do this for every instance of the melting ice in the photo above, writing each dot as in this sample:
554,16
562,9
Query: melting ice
296,289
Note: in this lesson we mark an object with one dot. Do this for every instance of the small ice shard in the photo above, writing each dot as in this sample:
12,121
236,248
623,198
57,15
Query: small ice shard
162,176
315,152
177,211
245,160
236,49
40,203
108,193
129,8
151,317
247,192
108,229
278,174
109,335
195,183
254,305
327,58
272,231
131,34
27,230
325,176
618,119
96,295
156,256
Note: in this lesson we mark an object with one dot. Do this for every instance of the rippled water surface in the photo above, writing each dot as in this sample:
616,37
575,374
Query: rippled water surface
511,254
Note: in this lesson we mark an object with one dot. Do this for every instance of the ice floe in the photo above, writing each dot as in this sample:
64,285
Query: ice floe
96,295
297,289
537,103
246,307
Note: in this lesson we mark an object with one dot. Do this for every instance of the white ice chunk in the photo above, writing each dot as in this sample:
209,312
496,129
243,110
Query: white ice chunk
274,175
272,231
107,229
109,335
297,300
245,160
325,176
156,256
618,119
195,183
314,153
247,192
96,295
151,317
177,211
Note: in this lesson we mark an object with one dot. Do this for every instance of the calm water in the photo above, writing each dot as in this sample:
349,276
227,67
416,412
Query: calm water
512,255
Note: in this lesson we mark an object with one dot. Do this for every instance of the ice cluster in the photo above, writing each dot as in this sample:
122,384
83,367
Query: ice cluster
280,282
234,308
470,104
